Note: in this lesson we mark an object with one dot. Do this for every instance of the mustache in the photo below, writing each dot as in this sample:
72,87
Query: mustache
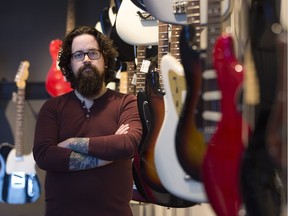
89,66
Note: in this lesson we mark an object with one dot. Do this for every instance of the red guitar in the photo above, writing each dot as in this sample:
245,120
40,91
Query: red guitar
55,81
221,164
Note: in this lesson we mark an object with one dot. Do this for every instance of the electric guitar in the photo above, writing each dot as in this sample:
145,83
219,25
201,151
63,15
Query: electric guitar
56,83
190,139
18,179
142,27
108,17
149,92
277,123
168,167
221,164
175,11
260,177
155,100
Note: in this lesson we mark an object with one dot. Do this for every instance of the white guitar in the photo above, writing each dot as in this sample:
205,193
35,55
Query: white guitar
167,162
20,182
168,167
175,11
135,26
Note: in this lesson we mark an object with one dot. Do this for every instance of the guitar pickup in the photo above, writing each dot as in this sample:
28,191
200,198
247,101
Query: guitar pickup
18,180
145,16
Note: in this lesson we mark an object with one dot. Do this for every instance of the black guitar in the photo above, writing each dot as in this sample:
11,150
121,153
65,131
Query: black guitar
19,183
260,183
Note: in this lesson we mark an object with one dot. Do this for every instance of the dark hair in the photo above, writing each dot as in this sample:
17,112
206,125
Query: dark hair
105,44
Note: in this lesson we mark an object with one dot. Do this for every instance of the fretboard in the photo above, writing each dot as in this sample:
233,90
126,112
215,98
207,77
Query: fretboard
20,114
141,76
163,46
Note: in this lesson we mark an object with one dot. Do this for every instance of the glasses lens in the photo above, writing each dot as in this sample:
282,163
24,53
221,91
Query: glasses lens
94,54
78,56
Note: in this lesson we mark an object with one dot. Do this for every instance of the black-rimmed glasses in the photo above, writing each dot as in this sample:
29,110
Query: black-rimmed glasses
80,55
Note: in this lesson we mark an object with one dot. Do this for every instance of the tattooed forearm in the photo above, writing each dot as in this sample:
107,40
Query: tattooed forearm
80,145
81,162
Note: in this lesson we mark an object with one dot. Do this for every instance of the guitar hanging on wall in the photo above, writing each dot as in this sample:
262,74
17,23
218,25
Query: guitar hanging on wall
56,83
221,163
19,183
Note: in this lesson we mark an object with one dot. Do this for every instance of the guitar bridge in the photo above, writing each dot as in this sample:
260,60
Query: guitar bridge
179,7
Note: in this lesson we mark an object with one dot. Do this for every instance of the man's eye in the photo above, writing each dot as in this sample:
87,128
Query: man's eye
93,53
78,55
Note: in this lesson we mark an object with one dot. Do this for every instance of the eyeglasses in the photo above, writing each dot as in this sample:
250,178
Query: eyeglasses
92,54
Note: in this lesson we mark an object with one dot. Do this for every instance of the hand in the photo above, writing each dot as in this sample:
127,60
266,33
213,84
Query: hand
123,129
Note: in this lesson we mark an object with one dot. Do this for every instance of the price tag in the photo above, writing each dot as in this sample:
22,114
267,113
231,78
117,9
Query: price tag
145,66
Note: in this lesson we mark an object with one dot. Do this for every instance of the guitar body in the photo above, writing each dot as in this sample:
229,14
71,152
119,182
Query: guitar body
221,165
190,142
55,81
168,167
18,179
163,10
140,31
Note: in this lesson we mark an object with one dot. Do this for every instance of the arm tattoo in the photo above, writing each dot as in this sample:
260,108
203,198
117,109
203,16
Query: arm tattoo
80,145
80,161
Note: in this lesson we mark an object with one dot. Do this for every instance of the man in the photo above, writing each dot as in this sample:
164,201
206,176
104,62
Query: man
86,139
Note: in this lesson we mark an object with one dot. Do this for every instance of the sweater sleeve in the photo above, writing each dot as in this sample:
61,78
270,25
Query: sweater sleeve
120,146
47,155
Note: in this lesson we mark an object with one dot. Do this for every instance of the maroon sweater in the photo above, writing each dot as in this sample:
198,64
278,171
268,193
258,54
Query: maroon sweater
102,191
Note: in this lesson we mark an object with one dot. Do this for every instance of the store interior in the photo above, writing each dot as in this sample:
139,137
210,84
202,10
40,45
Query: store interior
219,141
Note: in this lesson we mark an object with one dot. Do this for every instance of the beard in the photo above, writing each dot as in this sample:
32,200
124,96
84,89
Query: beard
89,81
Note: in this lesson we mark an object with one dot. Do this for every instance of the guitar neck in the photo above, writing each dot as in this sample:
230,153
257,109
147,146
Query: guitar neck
131,73
174,41
70,19
163,46
19,133
193,17
213,28
141,76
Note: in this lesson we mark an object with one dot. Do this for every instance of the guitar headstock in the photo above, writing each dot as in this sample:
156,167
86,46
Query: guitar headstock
22,74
